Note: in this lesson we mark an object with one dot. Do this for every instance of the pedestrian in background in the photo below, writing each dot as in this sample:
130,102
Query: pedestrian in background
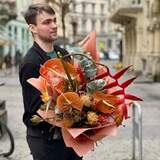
17,59
8,63
44,140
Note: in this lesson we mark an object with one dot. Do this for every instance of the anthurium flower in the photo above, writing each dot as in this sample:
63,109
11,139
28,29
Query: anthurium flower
55,67
43,86
39,83
53,71
70,99
89,45
107,98
106,103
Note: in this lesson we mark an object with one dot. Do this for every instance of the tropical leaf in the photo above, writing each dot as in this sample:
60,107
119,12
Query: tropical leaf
69,99
96,85
89,68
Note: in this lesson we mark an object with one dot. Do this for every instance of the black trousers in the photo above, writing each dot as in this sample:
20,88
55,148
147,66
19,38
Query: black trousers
43,149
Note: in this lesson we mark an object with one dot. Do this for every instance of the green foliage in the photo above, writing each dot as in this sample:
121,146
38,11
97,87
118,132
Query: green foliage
95,85
89,68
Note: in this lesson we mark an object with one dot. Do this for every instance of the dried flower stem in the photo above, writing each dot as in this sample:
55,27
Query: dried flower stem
67,73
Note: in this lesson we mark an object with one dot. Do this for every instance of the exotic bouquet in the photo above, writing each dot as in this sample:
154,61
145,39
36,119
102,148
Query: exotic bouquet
88,101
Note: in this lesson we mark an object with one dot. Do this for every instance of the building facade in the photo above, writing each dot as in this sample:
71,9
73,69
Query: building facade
7,12
83,17
17,30
89,15
140,28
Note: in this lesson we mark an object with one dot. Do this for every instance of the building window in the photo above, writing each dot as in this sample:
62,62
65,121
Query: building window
15,34
83,8
15,31
93,8
109,43
148,9
102,9
101,45
109,3
9,31
84,21
136,1
23,33
139,1
93,24
88,8
74,7
102,25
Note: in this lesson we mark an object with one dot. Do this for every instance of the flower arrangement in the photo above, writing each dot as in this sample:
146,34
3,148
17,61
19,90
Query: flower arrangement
88,102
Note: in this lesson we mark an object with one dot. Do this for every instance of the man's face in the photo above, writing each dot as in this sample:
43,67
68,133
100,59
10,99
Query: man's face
45,28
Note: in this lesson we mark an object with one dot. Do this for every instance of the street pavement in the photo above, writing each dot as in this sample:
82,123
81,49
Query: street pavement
110,148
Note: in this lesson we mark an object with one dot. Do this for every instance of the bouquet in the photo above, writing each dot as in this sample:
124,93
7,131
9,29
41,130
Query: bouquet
88,102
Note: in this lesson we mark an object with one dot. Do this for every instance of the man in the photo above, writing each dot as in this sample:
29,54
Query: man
44,140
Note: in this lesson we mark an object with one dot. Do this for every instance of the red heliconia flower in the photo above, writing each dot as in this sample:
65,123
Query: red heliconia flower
116,89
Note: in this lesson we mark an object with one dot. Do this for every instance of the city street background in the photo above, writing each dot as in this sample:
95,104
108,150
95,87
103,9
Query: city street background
110,148
126,30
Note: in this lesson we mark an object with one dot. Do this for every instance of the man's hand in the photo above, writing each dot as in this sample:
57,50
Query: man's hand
48,116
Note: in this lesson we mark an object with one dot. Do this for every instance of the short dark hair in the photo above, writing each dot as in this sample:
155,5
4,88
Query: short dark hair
36,9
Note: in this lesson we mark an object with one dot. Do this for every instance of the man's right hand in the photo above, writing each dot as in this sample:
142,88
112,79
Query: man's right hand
48,116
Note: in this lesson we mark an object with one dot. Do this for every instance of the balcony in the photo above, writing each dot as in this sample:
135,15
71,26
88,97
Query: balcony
124,10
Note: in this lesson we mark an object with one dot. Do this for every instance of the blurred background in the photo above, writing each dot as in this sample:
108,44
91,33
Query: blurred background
128,30
128,33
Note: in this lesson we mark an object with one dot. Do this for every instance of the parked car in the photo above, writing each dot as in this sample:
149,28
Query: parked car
113,55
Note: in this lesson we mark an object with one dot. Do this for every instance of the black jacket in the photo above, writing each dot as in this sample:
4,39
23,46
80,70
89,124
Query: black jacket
31,96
